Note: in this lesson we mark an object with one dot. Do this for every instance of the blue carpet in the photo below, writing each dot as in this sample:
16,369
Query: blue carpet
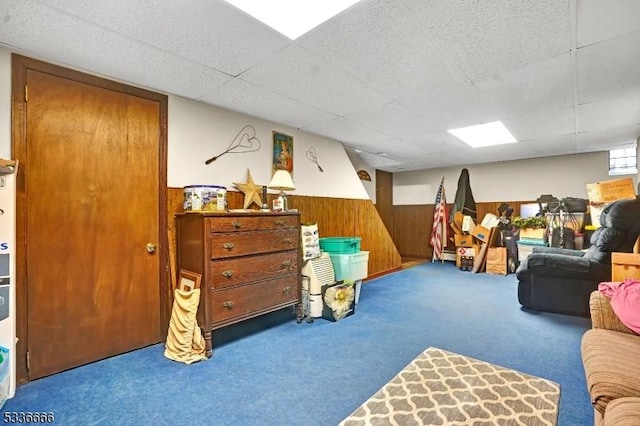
273,371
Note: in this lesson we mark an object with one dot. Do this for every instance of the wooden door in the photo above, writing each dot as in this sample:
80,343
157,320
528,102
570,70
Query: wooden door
93,172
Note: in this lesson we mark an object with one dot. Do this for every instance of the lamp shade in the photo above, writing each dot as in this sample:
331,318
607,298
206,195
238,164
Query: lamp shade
282,181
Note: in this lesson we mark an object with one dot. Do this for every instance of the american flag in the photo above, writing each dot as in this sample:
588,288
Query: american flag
439,230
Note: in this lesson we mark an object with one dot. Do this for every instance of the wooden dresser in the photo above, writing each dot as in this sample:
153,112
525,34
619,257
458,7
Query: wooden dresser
249,262
625,265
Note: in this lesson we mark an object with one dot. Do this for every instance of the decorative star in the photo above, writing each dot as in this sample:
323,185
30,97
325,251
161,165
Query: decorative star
251,191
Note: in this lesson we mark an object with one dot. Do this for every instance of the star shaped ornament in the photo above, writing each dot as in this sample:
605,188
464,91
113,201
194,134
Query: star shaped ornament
251,191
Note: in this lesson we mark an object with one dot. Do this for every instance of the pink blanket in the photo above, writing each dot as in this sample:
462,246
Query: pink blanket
625,301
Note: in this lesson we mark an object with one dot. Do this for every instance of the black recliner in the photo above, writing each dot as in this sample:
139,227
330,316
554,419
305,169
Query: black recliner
561,280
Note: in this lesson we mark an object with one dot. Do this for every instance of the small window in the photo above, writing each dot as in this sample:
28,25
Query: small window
623,161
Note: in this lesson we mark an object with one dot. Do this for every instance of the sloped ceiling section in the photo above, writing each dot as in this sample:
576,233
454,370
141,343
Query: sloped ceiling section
385,77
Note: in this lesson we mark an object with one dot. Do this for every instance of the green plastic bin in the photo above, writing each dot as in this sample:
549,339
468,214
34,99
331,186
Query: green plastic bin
340,245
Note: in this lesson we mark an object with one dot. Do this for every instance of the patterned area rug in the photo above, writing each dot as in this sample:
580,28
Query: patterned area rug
444,388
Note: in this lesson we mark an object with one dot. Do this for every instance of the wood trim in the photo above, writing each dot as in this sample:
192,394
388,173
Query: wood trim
19,67
384,198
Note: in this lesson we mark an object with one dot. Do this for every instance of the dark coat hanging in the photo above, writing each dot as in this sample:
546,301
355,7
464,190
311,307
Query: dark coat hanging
464,201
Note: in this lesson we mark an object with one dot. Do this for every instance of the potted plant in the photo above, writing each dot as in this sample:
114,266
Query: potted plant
530,227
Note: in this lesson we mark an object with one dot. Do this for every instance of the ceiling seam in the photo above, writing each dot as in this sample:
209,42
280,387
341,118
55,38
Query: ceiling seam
573,18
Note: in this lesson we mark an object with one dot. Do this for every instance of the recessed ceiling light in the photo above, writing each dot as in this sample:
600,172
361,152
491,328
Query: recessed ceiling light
292,17
484,134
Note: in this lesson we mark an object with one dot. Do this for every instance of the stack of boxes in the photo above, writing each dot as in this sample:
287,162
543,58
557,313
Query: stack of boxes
471,238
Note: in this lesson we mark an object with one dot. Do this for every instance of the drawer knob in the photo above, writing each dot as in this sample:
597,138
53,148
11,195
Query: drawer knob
228,246
236,224
287,263
228,304
286,290
279,222
228,273
287,240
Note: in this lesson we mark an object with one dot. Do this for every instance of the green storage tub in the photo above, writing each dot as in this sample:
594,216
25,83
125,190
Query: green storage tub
350,267
340,245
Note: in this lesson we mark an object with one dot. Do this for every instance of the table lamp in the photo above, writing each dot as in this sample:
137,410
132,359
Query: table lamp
281,181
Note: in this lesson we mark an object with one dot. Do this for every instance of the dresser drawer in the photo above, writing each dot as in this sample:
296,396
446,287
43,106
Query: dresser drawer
244,243
235,271
625,265
247,299
253,223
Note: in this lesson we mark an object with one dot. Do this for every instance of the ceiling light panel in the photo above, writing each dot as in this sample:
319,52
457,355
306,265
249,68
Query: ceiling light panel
292,17
488,134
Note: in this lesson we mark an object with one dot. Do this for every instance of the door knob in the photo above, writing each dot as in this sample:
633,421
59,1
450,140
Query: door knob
151,248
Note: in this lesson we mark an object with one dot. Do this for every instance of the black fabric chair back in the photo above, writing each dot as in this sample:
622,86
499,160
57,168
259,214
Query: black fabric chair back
619,230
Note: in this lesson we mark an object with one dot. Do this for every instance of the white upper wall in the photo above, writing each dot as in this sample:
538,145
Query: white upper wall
197,132
359,164
522,180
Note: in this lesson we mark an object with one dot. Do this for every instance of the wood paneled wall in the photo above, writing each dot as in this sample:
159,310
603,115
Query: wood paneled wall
336,217
384,198
412,225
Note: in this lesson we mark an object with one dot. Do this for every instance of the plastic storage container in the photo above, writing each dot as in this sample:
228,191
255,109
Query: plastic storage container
340,245
351,267
526,247
5,376
199,198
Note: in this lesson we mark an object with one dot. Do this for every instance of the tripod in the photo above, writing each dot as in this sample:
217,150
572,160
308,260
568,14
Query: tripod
560,216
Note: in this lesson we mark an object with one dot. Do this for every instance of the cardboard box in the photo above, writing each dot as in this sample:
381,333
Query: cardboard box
467,225
481,233
532,233
602,193
464,251
463,240
610,190
497,260
490,220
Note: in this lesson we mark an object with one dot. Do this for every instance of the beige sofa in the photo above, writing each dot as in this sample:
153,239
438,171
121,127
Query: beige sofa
611,358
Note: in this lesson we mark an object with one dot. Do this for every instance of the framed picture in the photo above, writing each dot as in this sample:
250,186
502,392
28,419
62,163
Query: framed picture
282,152
188,281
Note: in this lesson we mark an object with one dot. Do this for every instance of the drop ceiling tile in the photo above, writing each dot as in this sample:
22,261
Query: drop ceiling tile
457,107
490,36
347,132
610,113
298,74
599,20
239,95
378,161
607,139
212,33
394,120
97,50
381,43
542,124
545,147
529,89
398,149
609,68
